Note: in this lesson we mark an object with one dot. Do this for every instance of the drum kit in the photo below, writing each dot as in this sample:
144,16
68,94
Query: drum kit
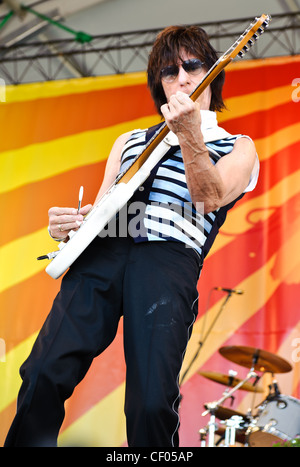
276,418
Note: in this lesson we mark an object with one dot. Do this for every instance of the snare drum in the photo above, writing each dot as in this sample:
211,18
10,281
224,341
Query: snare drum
278,420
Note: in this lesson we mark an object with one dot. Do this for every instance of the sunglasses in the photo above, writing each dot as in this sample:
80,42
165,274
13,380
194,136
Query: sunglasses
192,67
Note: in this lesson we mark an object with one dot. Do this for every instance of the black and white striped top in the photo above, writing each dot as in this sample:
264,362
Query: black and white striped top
162,209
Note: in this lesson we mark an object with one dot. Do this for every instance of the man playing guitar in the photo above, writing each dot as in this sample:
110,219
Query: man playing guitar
150,275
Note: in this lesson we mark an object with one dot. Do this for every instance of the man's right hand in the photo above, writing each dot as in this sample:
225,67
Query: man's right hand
62,220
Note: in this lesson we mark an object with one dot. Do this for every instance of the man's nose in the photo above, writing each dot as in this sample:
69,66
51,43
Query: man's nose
183,76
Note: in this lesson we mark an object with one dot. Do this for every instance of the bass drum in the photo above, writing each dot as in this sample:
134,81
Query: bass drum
278,420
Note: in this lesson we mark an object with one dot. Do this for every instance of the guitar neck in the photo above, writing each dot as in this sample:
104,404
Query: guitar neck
240,47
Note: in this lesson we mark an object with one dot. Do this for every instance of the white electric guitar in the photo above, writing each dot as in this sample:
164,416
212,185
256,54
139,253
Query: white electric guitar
130,180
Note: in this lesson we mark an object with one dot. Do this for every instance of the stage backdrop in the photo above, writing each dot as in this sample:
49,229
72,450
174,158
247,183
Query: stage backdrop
55,137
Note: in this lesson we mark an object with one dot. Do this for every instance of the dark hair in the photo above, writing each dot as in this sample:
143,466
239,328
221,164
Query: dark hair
166,50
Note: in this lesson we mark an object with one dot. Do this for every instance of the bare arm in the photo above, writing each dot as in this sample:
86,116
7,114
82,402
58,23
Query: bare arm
214,185
113,164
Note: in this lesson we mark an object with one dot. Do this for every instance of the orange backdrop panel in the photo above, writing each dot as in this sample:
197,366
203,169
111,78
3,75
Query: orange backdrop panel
56,137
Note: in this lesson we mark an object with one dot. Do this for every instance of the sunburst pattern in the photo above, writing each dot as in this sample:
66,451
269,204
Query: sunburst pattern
56,137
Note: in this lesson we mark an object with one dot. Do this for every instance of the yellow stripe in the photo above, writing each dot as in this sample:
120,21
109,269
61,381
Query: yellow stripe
242,307
83,432
260,208
265,62
32,91
111,432
48,89
41,161
277,141
111,408
255,102
9,371
38,243
237,220
103,425
287,382
264,282
289,350
18,258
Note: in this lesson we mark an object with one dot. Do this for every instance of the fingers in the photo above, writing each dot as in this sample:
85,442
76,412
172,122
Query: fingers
180,99
62,220
179,106
85,209
181,112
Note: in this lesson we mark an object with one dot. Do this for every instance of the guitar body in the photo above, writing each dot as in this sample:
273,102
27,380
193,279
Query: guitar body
108,206
129,181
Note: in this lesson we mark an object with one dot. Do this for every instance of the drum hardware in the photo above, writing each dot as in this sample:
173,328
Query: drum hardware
224,413
275,393
278,420
230,431
261,429
269,425
232,425
240,435
213,406
203,435
211,429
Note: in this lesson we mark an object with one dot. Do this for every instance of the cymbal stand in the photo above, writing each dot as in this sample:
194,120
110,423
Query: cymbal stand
212,406
233,424
203,434
211,429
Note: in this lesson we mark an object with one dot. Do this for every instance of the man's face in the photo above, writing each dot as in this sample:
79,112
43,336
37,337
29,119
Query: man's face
187,82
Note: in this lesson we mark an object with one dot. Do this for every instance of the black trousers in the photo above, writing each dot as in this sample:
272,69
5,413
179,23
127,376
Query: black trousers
153,285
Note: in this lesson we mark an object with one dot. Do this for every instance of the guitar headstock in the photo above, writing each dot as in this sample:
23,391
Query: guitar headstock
248,38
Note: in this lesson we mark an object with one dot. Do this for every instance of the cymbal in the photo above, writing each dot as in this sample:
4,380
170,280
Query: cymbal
224,413
227,380
260,360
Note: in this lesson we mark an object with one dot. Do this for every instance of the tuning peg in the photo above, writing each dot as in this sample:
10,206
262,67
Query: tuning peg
266,23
